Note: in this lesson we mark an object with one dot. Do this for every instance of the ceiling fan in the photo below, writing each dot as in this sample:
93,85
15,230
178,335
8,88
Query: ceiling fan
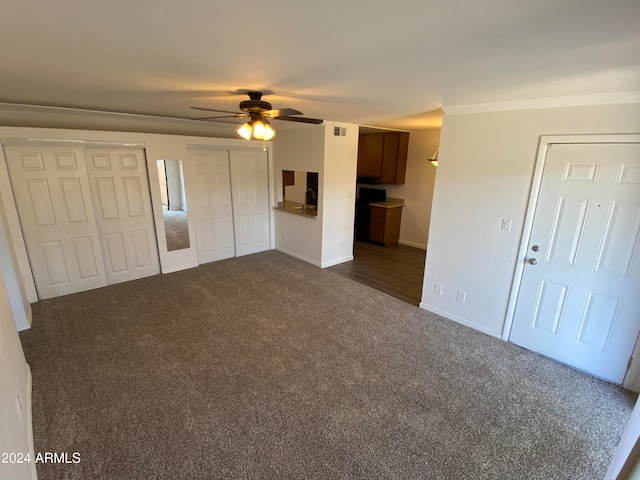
259,112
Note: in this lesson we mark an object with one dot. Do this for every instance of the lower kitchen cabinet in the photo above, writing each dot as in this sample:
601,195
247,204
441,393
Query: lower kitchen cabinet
384,227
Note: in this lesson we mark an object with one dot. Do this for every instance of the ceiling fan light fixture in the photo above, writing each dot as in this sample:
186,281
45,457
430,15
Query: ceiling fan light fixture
434,157
258,130
269,132
245,131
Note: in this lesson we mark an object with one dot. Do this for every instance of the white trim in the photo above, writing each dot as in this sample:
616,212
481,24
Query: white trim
550,102
299,257
460,320
422,246
336,262
626,455
53,109
180,267
632,377
57,142
25,324
543,148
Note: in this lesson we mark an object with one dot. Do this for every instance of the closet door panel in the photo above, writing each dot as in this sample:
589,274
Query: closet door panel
56,213
120,186
250,194
213,209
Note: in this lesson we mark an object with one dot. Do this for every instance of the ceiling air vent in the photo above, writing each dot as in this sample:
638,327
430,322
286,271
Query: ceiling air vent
339,131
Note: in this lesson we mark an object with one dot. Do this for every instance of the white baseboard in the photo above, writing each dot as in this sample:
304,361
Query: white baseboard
179,268
299,257
423,246
462,321
25,323
336,262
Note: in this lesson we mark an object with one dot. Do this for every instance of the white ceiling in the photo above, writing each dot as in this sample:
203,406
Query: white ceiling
391,64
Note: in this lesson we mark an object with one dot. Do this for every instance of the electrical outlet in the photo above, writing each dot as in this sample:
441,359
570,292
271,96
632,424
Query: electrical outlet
437,289
461,296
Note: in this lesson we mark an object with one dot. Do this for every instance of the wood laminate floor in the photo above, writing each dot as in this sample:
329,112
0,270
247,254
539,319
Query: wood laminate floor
396,270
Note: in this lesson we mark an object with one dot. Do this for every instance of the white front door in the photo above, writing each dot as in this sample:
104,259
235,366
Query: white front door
212,210
120,187
579,299
58,223
250,194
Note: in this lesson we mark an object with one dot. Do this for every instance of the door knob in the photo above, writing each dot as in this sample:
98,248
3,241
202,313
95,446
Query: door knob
533,261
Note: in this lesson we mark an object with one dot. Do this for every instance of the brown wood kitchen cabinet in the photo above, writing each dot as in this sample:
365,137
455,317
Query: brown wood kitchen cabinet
383,156
384,226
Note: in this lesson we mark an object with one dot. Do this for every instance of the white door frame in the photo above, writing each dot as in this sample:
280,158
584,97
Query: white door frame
546,141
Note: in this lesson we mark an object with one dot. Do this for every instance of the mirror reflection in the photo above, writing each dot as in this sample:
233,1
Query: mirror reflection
174,204
300,191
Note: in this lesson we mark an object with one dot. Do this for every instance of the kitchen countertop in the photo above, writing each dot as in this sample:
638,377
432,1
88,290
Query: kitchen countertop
390,203
296,208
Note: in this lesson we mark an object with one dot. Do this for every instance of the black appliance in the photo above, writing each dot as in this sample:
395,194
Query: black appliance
368,180
366,197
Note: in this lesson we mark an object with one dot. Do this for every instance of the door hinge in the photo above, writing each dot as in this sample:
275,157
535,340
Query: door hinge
629,363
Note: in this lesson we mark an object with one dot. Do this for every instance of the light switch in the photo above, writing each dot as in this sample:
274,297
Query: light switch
506,225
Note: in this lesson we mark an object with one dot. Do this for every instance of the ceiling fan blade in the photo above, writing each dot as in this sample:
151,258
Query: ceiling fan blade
315,121
217,110
283,112
219,116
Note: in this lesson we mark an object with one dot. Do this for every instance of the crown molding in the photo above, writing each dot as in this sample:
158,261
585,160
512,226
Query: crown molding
551,102
35,108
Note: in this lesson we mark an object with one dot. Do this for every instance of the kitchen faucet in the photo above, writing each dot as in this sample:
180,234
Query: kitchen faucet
313,195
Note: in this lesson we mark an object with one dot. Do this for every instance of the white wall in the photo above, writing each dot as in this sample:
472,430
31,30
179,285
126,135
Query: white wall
15,392
300,150
485,171
162,182
417,190
175,184
328,238
338,185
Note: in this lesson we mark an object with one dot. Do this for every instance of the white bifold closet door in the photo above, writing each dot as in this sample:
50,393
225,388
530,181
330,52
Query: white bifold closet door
86,219
120,190
53,198
250,194
212,210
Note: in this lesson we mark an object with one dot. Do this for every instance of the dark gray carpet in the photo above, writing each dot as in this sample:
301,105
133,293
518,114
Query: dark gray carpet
265,367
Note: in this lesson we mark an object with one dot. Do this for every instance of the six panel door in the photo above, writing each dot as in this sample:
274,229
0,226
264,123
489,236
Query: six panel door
120,188
212,210
250,179
579,297
53,198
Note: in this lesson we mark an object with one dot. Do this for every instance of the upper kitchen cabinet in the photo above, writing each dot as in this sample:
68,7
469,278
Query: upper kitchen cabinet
382,157
370,148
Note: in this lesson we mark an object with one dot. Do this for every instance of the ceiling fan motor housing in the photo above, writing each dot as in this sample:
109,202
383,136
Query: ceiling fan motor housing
255,105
